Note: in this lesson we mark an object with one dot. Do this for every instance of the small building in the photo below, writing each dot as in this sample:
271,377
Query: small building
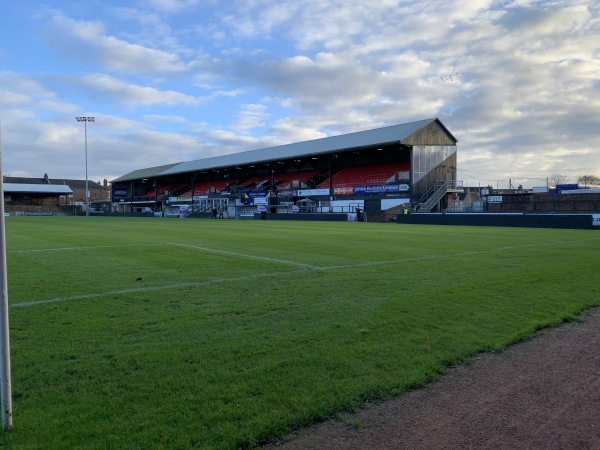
47,195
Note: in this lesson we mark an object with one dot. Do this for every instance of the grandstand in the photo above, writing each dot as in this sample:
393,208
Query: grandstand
374,170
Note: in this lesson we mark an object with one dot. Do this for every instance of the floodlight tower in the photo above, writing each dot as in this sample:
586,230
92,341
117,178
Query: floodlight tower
85,120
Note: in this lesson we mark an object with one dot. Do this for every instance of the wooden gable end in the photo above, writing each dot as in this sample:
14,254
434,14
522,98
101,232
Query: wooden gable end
432,134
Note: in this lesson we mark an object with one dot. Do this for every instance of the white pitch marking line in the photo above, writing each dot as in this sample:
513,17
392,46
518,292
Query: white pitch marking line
245,255
452,255
79,248
266,275
154,288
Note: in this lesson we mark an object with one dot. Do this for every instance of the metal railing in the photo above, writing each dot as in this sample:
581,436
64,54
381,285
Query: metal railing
434,194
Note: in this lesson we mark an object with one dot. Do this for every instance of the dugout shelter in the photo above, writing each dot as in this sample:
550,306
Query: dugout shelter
406,165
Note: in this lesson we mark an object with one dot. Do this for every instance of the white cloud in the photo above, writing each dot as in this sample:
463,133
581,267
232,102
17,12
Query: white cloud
165,118
21,86
288,131
251,117
24,98
122,92
13,98
89,38
172,6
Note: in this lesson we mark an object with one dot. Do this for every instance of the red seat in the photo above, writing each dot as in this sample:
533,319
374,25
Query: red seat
368,175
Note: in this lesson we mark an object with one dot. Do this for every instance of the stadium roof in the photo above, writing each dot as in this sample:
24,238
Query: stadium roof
150,172
379,136
51,189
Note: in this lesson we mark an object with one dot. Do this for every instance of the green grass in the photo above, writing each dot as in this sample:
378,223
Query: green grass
157,333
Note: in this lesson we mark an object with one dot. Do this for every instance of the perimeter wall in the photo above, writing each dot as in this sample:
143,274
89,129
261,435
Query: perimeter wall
573,221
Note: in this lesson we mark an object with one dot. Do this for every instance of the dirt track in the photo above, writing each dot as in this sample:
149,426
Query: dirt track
540,394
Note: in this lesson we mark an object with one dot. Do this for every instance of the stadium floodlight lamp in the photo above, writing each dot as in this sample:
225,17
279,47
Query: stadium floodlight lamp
85,120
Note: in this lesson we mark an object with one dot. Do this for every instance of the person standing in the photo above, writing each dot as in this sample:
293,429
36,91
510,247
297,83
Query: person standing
358,215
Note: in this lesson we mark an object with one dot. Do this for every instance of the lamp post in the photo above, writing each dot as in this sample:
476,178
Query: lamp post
85,120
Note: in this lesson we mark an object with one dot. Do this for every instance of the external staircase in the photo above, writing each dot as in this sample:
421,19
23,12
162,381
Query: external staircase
435,193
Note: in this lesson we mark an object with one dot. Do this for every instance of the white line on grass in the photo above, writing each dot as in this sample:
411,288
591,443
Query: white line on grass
245,255
307,269
58,249
451,255
155,288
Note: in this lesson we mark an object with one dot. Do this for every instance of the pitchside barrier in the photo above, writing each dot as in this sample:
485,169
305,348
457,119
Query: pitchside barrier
573,221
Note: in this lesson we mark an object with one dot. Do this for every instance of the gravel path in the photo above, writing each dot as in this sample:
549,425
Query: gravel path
540,394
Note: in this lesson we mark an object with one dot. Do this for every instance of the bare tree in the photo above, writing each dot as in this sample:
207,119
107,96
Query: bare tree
589,180
556,179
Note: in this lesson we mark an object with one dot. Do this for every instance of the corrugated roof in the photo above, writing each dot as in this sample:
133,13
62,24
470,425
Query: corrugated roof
379,136
150,172
55,181
369,138
77,184
22,188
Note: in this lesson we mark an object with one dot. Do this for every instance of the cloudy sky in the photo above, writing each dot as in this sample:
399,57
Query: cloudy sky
516,81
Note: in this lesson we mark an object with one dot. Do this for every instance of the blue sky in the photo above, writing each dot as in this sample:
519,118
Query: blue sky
516,81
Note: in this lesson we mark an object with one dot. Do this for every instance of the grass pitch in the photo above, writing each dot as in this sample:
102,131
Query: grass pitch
157,333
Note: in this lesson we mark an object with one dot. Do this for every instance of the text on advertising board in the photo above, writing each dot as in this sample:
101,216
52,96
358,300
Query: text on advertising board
120,193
